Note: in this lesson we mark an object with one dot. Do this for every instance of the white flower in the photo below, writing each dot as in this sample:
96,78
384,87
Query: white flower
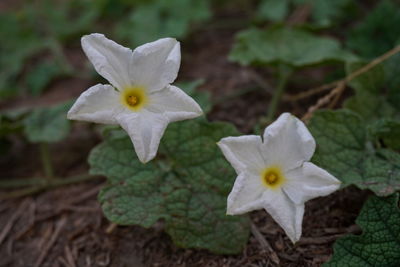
275,173
141,98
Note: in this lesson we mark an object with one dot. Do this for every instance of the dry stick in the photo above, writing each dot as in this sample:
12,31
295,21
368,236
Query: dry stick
12,219
324,100
53,239
264,243
347,79
55,182
353,229
111,228
69,257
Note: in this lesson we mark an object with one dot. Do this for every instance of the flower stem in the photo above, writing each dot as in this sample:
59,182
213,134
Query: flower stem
46,161
284,73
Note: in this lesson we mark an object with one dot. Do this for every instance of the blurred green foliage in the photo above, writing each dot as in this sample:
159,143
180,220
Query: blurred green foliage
294,47
36,35
48,124
323,13
378,32
162,18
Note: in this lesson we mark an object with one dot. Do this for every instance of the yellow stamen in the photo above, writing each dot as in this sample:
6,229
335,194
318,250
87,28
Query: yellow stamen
135,98
132,100
272,177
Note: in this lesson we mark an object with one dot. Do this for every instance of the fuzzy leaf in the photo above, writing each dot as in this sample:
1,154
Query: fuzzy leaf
48,124
388,131
379,244
345,150
294,47
187,187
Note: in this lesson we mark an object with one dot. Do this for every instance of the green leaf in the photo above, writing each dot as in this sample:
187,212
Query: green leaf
201,97
370,106
41,76
379,244
324,13
372,80
163,18
186,187
294,47
48,124
387,130
377,90
19,43
346,151
64,20
273,10
378,33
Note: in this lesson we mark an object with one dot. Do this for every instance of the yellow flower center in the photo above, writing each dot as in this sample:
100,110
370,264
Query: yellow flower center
272,177
135,98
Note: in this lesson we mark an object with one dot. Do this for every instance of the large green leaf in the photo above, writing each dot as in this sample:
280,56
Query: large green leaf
346,151
379,244
379,32
294,47
186,186
48,124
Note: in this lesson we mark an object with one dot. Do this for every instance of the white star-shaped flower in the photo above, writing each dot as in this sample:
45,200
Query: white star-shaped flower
275,173
141,98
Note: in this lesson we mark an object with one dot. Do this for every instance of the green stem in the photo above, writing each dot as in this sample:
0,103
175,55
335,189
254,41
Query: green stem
284,74
46,161
21,182
48,184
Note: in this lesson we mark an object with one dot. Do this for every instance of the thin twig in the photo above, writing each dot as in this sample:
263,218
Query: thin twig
69,257
75,200
327,239
347,79
53,183
324,100
13,218
264,243
53,239
111,228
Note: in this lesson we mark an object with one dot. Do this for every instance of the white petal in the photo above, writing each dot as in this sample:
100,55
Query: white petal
243,153
174,104
145,130
111,60
309,181
155,65
245,195
99,103
286,213
287,142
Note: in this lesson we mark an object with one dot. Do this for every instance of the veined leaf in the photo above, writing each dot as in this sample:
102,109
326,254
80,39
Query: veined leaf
187,186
